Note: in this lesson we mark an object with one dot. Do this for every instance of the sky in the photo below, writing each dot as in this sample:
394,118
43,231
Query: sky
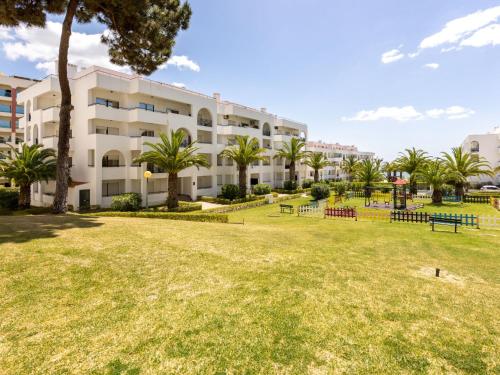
383,75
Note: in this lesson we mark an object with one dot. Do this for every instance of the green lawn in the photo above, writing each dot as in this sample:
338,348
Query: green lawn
280,294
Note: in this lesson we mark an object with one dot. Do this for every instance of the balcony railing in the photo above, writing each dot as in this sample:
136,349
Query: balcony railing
110,105
474,149
111,164
207,123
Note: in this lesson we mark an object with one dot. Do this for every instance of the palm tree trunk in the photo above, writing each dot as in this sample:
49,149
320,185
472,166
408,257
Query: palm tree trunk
62,167
172,197
437,196
24,196
242,179
292,171
459,190
413,185
316,175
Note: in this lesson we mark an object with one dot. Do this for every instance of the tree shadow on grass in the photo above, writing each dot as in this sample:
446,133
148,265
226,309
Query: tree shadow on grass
19,229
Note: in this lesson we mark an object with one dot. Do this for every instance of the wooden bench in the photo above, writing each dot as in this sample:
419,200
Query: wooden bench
433,220
286,208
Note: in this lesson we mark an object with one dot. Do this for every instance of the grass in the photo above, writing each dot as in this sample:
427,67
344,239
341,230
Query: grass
280,294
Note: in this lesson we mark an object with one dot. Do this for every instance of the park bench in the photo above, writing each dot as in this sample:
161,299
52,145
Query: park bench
433,220
286,208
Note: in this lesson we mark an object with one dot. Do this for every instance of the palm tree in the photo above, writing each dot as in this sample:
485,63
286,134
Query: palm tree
369,171
27,166
435,174
173,155
244,153
410,162
461,165
317,161
294,152
349,165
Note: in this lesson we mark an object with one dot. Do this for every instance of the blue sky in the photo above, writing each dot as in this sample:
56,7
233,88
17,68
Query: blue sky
322,62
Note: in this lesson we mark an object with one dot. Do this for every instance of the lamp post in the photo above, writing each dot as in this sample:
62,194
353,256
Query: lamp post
147,176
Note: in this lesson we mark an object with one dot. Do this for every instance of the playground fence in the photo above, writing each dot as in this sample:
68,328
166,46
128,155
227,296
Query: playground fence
341,212
476,198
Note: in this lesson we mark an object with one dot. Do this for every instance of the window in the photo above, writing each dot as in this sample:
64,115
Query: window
154,169
219,180
4,124
156,186
5,92
109,131
91,158
474,146
148,133
219,160
4,108
204,182
107,102
111,188
110,161
147,106
266,161
20,109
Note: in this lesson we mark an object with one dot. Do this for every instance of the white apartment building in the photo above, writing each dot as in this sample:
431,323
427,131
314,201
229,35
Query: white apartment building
486,146
335,153
10,112
115,113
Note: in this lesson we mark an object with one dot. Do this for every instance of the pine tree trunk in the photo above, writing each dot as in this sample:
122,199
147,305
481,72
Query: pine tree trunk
62,168
292,171
172,198
24,196
316,175
437,196
242,179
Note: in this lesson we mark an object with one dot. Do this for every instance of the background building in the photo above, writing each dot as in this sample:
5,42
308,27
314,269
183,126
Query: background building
335,153
115,114
486,146
10,112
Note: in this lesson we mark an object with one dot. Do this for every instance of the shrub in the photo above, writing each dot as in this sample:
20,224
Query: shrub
230,191
339,188
306,184
262,189
9,198
126,202
290,185
187,207
320,191
213,218
448,190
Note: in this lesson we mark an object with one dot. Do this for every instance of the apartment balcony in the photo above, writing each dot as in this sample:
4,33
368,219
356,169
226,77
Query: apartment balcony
282,138
103,112
51,142
176,121
147,116
135,172
114,173
137,143
238,130
50,114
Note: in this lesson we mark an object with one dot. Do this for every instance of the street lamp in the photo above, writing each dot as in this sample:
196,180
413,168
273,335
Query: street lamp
147,176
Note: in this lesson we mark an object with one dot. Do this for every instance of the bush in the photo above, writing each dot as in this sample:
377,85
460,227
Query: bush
126,202
187,207
290,185
448,190
320,191
339,188
262,189
306,184
202,217
9,198
230,191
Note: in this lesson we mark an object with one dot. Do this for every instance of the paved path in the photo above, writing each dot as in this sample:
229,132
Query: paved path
207,205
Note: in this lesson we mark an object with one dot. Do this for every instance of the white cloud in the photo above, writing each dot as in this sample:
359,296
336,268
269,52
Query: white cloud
182,62
41,47
5,33
409,113
489,35
179,84
392,56
432,66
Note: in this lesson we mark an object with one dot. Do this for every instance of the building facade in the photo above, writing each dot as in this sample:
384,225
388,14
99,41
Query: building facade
485,146
115,114
10,113
335,153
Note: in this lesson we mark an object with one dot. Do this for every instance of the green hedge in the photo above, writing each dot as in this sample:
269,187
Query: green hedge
242,206
320,191
230,191
187,207
202,217
261,189
9,198
126,202
220,200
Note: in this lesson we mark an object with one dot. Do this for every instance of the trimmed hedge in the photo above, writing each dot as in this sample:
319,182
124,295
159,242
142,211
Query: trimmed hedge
202,217
242,206
9,198
262,189
320,191
126,202
290,185
187,207
220,200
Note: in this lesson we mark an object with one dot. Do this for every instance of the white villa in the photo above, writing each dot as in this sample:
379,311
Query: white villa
10,112
335,153
115,113
486,146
